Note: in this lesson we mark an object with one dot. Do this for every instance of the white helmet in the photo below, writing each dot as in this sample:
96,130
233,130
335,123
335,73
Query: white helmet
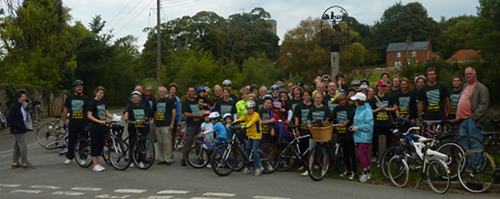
228,115
214,115
226,82
250,104
136,93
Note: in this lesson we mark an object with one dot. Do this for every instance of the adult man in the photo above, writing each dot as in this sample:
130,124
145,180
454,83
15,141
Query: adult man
388,88
218,93
330,96
289,87
396,81
326,79
194,116
472,106
433,98
383,106
355,84
152,103
75,104
164,122
227,85
454,94
262,93
403,98
320,87
172,89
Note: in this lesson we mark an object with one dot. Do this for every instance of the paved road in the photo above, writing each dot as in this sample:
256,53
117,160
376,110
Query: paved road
53,179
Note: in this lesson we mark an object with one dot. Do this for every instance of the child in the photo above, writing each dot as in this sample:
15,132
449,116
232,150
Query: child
202,99
280,125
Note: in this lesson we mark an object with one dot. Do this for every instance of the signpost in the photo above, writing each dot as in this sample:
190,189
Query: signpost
333,36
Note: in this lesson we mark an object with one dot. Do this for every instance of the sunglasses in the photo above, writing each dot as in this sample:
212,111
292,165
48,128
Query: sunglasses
282,86
227,85
274,91
149,90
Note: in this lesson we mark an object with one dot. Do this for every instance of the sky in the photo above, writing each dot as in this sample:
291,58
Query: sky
130,17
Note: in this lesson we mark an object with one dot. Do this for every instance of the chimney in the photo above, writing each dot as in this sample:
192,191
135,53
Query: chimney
408,39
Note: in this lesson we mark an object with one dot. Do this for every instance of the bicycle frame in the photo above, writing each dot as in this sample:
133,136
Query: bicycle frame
295,143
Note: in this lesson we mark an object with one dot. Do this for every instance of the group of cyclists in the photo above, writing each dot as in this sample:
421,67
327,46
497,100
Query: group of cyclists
361,113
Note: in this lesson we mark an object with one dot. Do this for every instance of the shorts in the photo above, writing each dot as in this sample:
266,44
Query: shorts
96,142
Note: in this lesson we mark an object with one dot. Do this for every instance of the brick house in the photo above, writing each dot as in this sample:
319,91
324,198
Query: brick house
420,51
464,56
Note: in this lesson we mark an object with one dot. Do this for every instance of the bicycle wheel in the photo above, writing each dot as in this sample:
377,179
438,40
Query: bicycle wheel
492,147
119,154
438,176
105,154
384,162
398,171
454,152
269,157
320,158
198,157
287,159
340,165
239,163
144,153
470,142
476,171
82,152
46,136
179,143
223,160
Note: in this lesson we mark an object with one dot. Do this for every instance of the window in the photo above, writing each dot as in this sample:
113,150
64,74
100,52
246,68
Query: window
398,54
397,63
413,53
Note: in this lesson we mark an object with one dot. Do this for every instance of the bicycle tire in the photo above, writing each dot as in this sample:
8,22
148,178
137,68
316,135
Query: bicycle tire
44,136
144,153
384,162
119,154
476,171
319,152
105,154
454,152
287,158
223,160
398,171
239,160
466,141
492,147
340,165
198,157
438,176
269,157
82,152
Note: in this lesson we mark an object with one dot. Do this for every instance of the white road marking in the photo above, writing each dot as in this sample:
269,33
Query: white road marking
26,191
44,187
10,185
219,194
160,197
268,197
110,196
130,191
68,193
204,198
86,189
173,192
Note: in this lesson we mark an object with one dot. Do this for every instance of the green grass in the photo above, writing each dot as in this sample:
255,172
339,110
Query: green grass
117,107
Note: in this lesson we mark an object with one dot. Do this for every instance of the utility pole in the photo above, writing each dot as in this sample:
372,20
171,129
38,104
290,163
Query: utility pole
158,42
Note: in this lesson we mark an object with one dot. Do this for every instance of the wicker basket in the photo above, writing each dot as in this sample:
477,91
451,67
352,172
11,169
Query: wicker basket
322,134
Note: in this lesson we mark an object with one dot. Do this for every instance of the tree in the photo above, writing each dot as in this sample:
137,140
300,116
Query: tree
458,37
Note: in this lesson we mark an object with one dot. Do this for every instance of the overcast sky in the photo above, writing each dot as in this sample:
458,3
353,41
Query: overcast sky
130,17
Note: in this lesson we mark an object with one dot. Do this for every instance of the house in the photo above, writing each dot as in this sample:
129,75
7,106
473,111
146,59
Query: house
463,56
419,51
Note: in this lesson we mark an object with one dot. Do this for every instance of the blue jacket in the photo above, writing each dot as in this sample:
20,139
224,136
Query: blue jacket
178,110
364,119
15,119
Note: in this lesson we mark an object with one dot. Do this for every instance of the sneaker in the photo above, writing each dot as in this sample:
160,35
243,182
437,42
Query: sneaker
245,171
258,171
316,167
345,174
183,162
83,162
324,171
97,168
68,161
305,174
269,167
101,167
172,158
369,176
16,165
352,176
301,168
363,178
28,166
209,166
131,165
64,151
141,165
374,159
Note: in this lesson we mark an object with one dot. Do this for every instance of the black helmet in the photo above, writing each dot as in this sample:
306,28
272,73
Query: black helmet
365,80
77,83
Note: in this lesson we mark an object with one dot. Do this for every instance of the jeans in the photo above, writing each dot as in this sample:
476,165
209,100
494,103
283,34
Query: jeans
253,144
468,127
20,149
75,132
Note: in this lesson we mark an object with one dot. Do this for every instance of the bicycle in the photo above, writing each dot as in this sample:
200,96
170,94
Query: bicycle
229,157
432,163
490,142
291,152
143,150
115,151
3,119
198,157
37,113
323,151
52,135
478,171
180,138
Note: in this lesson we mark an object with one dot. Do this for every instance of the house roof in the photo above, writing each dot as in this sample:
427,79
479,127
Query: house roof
401,46
463,55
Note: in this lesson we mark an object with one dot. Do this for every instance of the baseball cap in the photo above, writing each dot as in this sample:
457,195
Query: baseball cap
381,83
359,96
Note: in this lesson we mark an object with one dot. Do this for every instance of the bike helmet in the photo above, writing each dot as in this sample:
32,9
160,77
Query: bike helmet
250,104
277,104
225,82
365,87
78,82
350,90
267,97
365,80
135,93
227,115
355,82
206,113
275,87
214,116
325,76
201,88
300,84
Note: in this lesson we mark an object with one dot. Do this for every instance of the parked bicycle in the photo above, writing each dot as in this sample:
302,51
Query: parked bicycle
36,111
323,154
143,150
3,119
52,135
290,151
180,138
478,171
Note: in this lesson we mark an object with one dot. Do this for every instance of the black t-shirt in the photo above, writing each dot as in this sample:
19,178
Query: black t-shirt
203,100
98,109
194,108
403,102
316,113
259,103
77,108
327,101
302,111
266,115
413,103
454,101
233,97
433,97
382,118
137,113
341,115
163,110
291,104
224,107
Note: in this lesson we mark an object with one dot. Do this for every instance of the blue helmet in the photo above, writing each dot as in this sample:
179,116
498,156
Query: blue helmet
275,87
201,88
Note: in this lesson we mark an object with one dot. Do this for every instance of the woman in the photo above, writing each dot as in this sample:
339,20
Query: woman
403,99
317,112
16,118
226,105
371,92
301,111
296,94
351,92
135,112
240,105
363,133
343,115
421,82
97,112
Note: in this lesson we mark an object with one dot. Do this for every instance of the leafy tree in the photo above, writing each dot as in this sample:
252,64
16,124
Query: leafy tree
459,36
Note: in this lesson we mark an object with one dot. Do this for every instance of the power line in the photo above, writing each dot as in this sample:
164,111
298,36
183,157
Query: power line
135,17
127,14
121,11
